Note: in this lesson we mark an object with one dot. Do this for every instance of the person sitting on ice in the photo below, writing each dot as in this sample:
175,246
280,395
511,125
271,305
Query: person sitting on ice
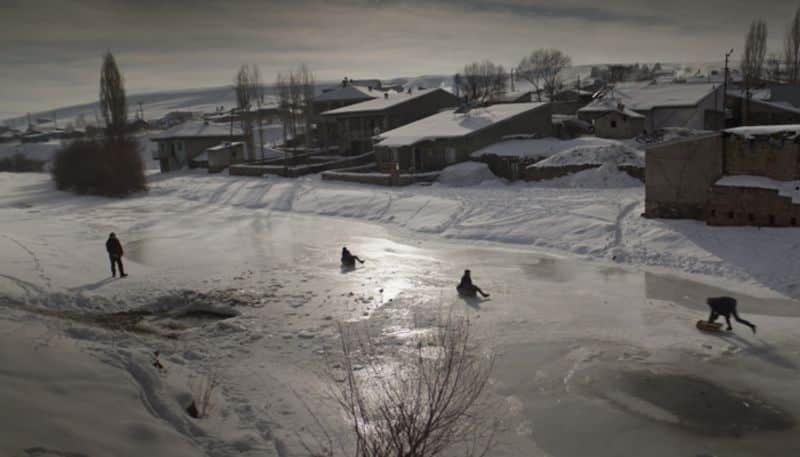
348,259
467,288
726,306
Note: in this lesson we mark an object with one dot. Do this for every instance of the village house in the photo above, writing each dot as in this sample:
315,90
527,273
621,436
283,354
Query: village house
779,104
219,157
338,97
619,123
743,176
694,106
178,146
357,124
450,137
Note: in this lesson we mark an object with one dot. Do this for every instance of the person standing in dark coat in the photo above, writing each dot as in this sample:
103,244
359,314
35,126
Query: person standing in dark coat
114,249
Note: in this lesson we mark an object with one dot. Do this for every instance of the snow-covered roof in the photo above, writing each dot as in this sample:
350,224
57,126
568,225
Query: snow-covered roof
765,130
765,97
195,129
383,101
450,124
225,145
789,189
646,96
539,147
348,92
615,153
625,111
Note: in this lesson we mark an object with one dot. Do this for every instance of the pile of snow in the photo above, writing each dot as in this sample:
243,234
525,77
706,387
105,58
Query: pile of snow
466,174
790,189
606,176
532,148
614,153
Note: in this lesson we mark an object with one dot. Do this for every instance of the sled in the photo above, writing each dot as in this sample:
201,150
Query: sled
709,326
467,292
349,264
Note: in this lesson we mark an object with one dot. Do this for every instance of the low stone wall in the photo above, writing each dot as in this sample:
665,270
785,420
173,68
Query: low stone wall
277,167
379,179
244,169
737,206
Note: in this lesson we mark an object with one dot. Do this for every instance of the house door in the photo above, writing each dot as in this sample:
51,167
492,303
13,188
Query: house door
417,159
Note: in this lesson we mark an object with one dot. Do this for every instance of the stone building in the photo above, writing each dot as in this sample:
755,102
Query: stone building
619,123
178,146
357,124
696,106
451,136
744,176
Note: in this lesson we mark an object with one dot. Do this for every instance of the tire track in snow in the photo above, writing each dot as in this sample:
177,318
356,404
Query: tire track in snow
37,264
616,243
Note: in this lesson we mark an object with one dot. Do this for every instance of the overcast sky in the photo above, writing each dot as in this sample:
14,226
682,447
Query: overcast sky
50,50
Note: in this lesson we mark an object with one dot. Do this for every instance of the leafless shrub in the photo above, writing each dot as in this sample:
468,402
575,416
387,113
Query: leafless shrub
103,167
425,403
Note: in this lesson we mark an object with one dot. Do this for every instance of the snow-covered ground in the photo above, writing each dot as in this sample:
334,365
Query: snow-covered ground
591,315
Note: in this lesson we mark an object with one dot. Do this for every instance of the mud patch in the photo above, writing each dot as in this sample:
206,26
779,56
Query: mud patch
696,404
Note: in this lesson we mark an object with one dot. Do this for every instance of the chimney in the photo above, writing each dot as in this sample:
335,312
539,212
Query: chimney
370,88
386,95
409,90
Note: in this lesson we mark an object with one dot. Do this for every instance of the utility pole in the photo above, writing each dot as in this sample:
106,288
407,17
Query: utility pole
723,161
725,89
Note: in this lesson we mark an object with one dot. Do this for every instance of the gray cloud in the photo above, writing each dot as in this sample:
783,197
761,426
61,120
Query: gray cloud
51,48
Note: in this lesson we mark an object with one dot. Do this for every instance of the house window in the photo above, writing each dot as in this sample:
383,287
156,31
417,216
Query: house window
794,221
730,214
750,217
771,219
713,213
613,124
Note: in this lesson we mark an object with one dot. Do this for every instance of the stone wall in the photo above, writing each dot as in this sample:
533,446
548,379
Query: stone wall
678,176
736,206
779,161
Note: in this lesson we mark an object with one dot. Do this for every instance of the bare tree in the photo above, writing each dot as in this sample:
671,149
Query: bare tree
113,103
306,81
480,81
428,403
543,70
249,93
282,92
792,49
752,64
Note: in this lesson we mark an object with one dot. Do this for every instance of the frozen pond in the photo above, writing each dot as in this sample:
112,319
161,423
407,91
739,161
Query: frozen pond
593,359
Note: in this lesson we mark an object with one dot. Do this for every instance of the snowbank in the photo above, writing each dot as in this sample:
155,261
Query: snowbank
60,401
614,153
466,174
606,176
